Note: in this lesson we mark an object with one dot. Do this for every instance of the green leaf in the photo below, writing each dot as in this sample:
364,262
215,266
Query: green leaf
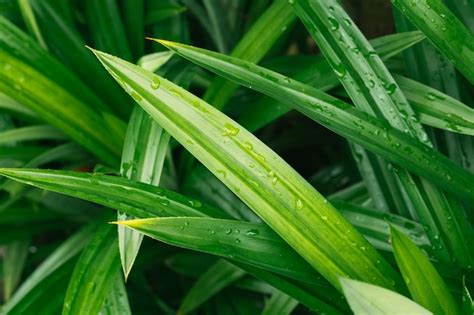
467,303
444,30
280,303
366,298
9,104
252,47
437,109
30,21
14,257
374,225
281,197
68,152
373,90
162,13
339,117
46,98
133,13
319,75
55,20
217,277
250,243
320,300
117,300
106,27
143,156
47,269
152,62
423,281
30,133
134,198
144,153
94,274
23,47
51,289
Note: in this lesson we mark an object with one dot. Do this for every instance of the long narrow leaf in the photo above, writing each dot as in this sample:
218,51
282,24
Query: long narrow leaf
280,303
373,89
64,253
423,281
281,197
253,46
217,277
94,274
47,99
444,30
250,243
134,198
339,117
365,299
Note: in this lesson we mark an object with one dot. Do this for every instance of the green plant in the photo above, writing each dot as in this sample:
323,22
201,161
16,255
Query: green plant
248,207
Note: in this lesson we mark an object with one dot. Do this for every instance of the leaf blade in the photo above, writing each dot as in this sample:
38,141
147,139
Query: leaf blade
189,116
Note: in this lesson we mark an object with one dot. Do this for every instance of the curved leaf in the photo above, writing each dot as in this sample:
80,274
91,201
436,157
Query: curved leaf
94,274
366,299
280,303
265,182
423,281
61,256
134,198
444,30
339,117
250,243
217,277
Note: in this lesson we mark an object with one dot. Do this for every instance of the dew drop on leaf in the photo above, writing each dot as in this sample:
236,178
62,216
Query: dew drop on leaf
155,83
391,88
230,130
334,24
340,70
252,232
299,204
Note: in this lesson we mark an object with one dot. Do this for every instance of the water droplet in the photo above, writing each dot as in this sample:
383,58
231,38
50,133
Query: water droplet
175,92
334,25
195,203
252,232
164,202
230,130
237,241
340,70
228,231
299,204
155,83
391,88
222,173
135,96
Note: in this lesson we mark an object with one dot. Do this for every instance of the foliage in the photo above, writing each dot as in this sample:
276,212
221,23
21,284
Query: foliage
249,157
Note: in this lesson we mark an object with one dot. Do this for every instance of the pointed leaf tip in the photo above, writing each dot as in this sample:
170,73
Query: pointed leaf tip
168,44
